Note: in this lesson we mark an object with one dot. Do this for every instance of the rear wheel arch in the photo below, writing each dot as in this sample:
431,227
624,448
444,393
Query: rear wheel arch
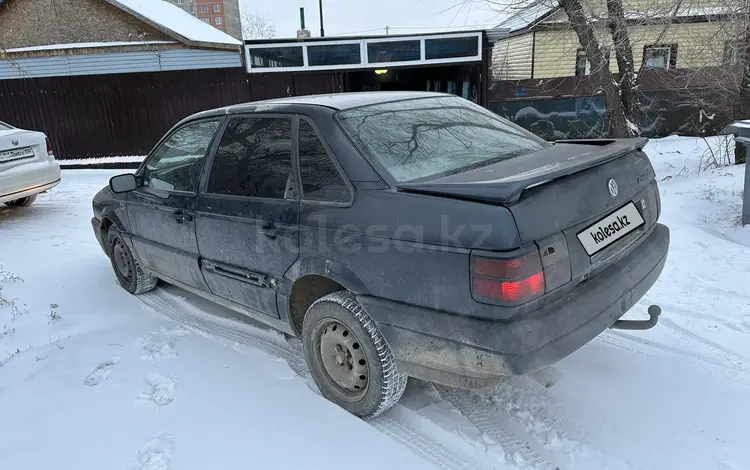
305,291
311,278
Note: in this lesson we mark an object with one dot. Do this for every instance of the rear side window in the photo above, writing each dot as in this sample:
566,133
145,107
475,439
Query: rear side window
321,180
254,159
4,127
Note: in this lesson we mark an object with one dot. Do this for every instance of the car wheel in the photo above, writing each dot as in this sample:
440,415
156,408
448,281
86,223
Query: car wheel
23,202
349,358
128,271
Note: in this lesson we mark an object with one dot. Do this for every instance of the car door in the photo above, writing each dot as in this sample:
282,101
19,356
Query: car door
161,209
247,215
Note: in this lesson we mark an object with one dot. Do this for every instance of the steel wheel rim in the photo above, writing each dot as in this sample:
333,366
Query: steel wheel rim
121,257
343,360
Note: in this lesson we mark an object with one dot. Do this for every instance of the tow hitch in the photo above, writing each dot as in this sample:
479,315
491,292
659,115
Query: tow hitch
653,312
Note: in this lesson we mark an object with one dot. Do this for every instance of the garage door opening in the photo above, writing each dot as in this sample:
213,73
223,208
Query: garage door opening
461,80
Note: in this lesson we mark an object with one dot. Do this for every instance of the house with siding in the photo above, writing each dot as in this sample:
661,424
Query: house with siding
48,38
539,42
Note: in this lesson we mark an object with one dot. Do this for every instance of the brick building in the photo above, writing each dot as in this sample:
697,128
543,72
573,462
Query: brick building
223,15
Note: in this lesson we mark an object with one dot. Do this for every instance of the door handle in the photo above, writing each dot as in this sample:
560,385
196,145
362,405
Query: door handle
181,217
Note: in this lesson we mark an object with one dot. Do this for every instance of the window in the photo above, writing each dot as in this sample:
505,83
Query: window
733,51
206,20
177,164
583,66
660,57
203,8
336,54
268,57
450,48
254,159
180,2
217,8
321,181
424,138
219,20
393,51
4,127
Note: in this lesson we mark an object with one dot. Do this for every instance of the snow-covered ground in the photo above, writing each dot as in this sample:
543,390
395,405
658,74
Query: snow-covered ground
93,378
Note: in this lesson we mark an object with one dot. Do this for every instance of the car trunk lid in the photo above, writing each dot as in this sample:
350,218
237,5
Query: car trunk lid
565,191
18,147
504,181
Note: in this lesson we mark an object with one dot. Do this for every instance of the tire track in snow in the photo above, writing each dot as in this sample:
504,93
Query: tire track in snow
207,324
521,448
698,342
646,348
431,451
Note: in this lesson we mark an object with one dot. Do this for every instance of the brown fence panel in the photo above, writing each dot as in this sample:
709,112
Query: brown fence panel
123,114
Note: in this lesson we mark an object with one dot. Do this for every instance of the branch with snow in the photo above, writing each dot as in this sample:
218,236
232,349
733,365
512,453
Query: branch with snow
256,26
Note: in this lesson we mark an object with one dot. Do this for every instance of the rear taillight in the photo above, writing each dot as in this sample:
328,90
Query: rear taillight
507,279
49,146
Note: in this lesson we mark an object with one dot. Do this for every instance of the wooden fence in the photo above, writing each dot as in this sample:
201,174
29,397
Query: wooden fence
123,114
126,114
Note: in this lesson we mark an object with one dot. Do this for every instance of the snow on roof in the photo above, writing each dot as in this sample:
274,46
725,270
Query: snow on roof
682,12
528,15
85,45
176,20
535,10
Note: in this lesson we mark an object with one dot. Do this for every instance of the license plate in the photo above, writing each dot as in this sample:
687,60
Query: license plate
611,228
16,154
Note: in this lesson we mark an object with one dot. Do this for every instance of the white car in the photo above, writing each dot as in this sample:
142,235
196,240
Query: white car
27,165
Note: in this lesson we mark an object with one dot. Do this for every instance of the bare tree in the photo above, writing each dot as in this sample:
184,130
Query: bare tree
255,26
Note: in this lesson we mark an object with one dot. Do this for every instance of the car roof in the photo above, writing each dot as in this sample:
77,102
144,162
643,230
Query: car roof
335,101
341,101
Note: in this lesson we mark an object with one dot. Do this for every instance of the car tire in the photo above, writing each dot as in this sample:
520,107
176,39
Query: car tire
23,202
128,271
348,357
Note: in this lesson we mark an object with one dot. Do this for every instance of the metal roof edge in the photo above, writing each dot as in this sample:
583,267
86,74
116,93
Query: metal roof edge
358,38
170,32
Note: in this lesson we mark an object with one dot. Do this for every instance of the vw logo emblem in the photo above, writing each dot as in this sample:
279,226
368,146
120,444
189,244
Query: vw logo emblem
612,186
14,142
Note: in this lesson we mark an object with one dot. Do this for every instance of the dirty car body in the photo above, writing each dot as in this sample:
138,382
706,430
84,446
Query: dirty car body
478,249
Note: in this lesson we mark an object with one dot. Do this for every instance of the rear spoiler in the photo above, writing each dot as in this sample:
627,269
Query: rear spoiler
528,171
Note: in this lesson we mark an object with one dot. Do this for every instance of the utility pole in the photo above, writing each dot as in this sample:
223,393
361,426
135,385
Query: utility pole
320,6
386,30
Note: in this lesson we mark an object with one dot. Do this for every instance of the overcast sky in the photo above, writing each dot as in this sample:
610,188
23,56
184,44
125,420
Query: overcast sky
370,17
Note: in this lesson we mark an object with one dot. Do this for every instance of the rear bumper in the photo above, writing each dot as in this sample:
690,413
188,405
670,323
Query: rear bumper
29,179
467,352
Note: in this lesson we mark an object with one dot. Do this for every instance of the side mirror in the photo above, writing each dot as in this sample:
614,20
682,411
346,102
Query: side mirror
123,183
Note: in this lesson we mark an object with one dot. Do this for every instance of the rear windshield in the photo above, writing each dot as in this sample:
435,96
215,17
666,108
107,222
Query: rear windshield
426,138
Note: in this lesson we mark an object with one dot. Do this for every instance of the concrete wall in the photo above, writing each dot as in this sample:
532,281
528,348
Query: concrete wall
41,22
